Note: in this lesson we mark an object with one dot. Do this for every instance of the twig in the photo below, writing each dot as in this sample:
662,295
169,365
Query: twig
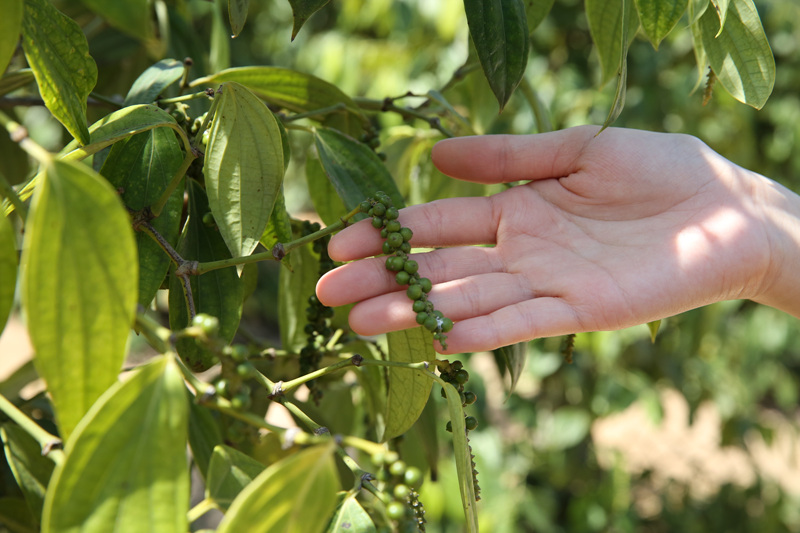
49,443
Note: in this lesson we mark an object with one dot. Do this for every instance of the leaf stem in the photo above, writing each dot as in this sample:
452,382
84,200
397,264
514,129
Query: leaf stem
19,134
184,98
8,191
280,250
157,335
387,105
293,384
200,509
315,112
50,443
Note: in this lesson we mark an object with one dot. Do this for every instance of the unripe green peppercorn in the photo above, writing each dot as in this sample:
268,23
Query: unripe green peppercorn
390,457
426,285
401,492
402,278
364,206
462,376
394,263
411,267
422,318
419,305
405,247
395,510
431,323
447,324
471,422
377,222
378,210
384,233
223,387
406,233
387,248
413,477
397,468
392,213
414,292
470,397
394,240
393,226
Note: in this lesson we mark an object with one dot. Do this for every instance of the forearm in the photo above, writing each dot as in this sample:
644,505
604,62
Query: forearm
780,285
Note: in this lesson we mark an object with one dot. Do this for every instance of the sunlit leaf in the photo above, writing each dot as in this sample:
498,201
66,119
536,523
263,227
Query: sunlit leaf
609,21
355,171
58,54
294,495
217,293
229,472
327,203
463,457
350,517
141,167
125,468
658,17
499,29
740,56
8,269
721,7
153,81
295,91
243,167
408,389
31,470
302,10
78,286
10,28
237,13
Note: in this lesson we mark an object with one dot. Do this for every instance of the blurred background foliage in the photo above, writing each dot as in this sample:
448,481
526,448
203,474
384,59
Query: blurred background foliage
697,431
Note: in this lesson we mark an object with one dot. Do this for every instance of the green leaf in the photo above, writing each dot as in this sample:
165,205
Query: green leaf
355,171
58,54
463,457
219,57
294,288
350,517
237,13
653,327
536,11
132,17
609,21
153,81
295,91
302,11
408,389
658,17
294,495
229,472
8,269
372,379
204,435
125,468
14,80
142,167
217,293
721,7
78,286
279,227
120,125
10,28
514,357
243,167
499,29
741,56
326,202
31,470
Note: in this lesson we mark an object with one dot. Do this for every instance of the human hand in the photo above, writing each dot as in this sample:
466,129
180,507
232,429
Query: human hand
611,231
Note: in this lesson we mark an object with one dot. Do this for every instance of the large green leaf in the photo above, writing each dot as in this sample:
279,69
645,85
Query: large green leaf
120,125
243,167
133,17
463,457
58,54
152,81
355,171
31,469
350,517
204,435
499,29
295,91
10,27
141,167
78,286
302,10
740,55
229,472
658,17
612,31
8,269
294,495
536,11
125,468
329,206
237,13
217,293
408,389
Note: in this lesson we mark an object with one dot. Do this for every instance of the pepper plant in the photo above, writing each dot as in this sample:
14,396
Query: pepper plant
178,189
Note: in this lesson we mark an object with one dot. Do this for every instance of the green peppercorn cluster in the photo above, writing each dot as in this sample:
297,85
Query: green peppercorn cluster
455,374
401,483
318,323
235,370
397,247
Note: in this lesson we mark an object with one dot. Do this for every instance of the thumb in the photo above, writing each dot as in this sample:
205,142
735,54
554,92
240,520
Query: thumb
506,158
